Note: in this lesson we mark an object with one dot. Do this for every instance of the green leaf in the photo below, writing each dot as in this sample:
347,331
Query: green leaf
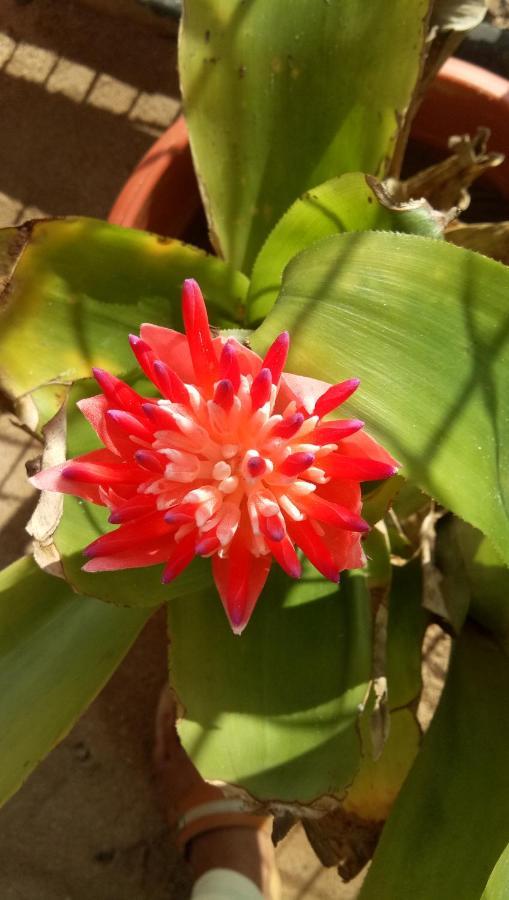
57,650
425,325
267,122
275,710
354,202
78,286
475,576
384,766
450,822
498,883
405,633
376,503
82,523
379,780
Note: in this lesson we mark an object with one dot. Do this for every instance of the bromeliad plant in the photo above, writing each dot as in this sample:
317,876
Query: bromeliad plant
238,466
224,442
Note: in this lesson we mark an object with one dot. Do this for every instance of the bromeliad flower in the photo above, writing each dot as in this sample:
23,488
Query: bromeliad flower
235,462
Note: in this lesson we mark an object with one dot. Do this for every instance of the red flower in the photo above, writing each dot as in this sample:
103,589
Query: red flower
235,462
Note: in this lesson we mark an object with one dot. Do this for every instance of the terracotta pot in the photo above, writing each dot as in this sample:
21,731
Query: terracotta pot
462,98
162,195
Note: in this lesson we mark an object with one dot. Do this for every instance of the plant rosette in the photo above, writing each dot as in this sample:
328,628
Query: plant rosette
234,462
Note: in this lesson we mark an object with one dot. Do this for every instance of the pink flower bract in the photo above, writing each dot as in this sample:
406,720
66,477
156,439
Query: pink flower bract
234,462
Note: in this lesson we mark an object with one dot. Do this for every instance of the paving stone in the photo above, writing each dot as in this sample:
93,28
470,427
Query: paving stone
71,79
113,95
154,109
10,209
31,62
7,48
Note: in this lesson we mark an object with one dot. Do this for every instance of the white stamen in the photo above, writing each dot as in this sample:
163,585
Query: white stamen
317,475
266,507
174,473
290,409
105,497
234,414
184,530
259,546
244,390
184,467
253,514
207,509
258,420
267,428
174,439
229,450
166,500
221,470
228,524
189,427
325,449
153,487
195,397
218,417
302,488
181,458
229,485
307,426
200,495
293,511
211,523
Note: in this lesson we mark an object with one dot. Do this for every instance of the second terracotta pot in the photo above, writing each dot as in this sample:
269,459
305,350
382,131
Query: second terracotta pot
162,194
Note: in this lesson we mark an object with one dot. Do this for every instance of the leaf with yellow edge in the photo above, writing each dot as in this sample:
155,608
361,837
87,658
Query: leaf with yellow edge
74,289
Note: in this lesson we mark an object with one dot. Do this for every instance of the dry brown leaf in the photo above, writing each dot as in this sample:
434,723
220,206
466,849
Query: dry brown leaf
387,194
448,23
343,840
48,511
458,15
445,184
499,12
489,238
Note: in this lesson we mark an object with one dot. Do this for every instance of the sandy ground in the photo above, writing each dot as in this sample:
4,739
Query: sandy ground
82,96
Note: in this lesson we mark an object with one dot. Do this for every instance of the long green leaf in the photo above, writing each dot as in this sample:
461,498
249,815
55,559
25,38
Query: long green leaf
498,884
384,768
406,625
57,650
451,821
276,710
279,100
75,288
425,325
350,203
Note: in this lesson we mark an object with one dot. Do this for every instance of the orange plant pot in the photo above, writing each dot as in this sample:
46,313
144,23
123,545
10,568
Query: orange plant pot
162,194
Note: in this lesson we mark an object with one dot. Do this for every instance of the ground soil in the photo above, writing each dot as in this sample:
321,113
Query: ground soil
83,93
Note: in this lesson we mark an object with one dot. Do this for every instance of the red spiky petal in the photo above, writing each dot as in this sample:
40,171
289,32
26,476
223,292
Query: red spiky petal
232,462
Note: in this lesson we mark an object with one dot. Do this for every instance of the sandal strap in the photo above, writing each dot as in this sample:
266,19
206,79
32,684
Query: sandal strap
225,813
232,805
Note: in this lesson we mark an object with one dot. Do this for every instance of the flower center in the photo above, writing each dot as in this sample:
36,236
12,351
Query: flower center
231,455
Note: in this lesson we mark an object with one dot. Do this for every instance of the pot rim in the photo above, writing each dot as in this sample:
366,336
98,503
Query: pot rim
166,168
